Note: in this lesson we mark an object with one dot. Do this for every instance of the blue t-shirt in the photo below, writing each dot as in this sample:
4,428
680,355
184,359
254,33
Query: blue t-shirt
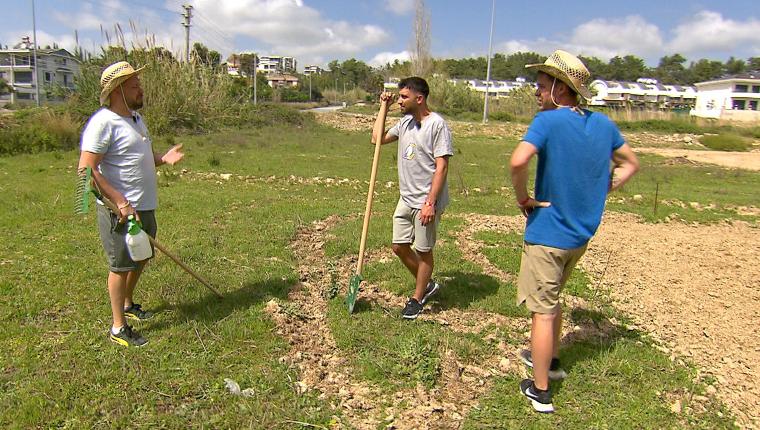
574,153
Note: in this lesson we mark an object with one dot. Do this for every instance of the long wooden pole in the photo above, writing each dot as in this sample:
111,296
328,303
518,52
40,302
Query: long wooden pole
378,133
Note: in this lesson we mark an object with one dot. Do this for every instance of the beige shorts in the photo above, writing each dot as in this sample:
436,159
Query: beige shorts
543,272
408,229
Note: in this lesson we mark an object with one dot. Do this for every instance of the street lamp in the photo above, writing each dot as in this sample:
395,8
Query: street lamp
488,72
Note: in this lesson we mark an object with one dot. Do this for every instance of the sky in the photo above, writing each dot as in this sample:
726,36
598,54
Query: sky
380,31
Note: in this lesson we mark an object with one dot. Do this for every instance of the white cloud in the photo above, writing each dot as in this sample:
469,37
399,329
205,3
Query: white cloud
607,38
384,58
603,38
703,34
399,7
289,27
709,30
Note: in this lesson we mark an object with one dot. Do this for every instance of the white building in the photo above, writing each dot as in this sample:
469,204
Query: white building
644,93
55,67
276,80
495,88
735,97
276,64
312,70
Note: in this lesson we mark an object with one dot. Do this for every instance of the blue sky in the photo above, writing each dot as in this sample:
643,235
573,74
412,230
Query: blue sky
376,31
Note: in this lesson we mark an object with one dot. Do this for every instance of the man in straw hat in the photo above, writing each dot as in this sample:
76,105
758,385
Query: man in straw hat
574,148
116,146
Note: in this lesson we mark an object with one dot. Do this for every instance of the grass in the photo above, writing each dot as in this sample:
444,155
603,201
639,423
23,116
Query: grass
57,368
726,142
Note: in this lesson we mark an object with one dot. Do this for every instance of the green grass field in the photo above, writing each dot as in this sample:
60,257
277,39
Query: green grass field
58,369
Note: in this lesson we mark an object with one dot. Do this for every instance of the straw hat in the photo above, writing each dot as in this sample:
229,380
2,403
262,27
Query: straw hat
113,76
567,68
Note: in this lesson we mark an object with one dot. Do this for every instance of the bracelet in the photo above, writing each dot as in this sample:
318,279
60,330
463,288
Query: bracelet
523,202
124,205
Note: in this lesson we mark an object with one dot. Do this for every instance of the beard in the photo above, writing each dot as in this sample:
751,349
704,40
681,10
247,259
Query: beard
136,104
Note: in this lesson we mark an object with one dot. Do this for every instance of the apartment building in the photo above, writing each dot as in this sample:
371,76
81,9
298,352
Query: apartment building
55,67
733,97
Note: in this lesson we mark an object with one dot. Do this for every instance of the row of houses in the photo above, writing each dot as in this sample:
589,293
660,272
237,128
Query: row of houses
735,97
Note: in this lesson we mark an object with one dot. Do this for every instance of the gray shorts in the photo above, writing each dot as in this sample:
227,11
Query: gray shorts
408,229
112,236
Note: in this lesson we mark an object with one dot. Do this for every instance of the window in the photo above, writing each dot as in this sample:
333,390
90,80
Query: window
740,104
741,88
23,77
48,77
24,96
756,89
753,105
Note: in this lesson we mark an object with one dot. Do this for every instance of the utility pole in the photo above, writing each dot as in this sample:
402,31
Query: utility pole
187,15
488,72
310,87
36,79
255,78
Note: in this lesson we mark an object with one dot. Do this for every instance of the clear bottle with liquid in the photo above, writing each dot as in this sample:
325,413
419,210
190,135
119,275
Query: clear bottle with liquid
138,243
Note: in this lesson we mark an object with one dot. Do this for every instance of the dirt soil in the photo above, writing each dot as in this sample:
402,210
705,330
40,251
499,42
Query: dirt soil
678,282
694,288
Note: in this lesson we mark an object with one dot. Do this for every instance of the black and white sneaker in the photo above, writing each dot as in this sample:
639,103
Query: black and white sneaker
556,373
540,399
430,290
412,309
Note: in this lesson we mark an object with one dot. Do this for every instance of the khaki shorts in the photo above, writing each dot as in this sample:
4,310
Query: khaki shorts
408,229
112,236
543,272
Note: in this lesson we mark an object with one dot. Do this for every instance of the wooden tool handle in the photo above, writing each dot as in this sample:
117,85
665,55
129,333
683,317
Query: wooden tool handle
378,133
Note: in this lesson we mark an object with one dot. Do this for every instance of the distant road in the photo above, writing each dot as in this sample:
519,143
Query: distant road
741,160
325,109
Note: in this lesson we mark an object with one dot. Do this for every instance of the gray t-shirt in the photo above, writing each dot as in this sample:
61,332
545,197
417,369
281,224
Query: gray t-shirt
418,147
128,163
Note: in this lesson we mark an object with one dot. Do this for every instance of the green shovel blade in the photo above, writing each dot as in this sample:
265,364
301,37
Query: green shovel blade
353,291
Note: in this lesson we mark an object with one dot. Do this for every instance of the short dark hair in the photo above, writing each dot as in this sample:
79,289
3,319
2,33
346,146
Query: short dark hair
416,84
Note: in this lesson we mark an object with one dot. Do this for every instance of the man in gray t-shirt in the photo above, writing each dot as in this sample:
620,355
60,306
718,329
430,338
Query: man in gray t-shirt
118,149
424,148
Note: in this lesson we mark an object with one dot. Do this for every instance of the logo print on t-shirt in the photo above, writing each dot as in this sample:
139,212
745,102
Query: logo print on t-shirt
410,151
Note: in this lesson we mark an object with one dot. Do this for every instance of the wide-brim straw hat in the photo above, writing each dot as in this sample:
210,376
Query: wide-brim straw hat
113,76
567,68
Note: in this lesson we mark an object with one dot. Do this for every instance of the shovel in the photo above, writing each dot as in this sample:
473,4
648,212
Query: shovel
356,277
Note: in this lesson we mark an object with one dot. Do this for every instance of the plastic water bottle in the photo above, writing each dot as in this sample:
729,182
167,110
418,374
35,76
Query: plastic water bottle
138,244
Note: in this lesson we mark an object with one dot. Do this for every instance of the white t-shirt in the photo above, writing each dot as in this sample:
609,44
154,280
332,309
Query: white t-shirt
128,163
418,147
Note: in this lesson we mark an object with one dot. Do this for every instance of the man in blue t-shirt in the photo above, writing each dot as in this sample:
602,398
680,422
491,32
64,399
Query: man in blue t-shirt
574,148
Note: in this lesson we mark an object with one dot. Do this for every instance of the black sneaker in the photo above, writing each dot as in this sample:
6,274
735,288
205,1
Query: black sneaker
540,399
430,290
556,373
135,312
127,337
412,309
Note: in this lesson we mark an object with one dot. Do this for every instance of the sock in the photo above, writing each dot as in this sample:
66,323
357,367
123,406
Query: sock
115,330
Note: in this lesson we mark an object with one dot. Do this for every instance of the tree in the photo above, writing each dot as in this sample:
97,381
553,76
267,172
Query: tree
734,66
202,55
753,63
705,70
596,67
4,87
628,68
421,60
671,70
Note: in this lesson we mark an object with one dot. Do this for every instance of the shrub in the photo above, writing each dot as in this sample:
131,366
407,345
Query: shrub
725,142
39,129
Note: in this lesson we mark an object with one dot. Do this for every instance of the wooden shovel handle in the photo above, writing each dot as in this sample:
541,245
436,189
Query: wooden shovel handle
378,133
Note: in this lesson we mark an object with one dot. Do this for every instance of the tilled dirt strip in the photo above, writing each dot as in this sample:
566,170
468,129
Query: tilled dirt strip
697,288
694,288
303,322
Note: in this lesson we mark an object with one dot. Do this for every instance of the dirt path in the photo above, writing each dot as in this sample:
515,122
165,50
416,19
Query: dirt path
739,160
